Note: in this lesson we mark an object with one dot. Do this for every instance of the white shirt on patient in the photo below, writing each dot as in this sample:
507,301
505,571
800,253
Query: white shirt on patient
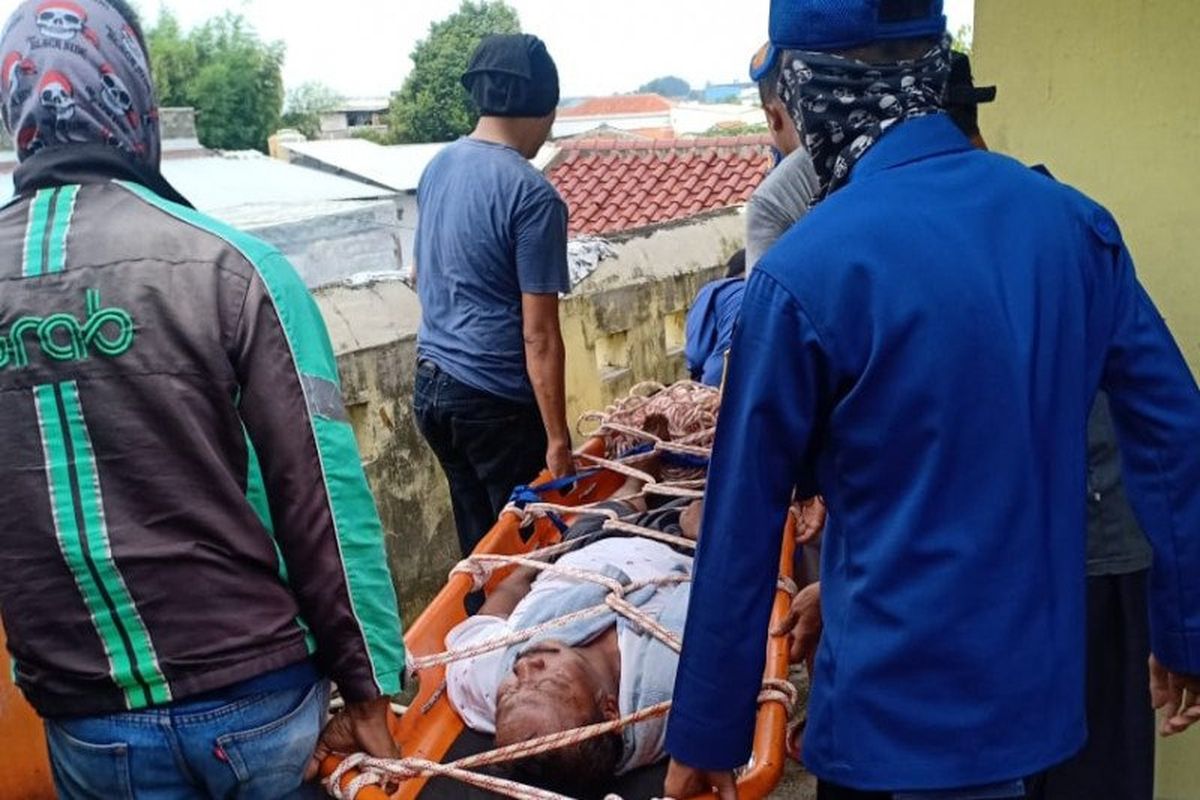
472,683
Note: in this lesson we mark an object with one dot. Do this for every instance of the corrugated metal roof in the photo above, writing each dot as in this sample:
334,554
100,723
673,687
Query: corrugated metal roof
397,167
234,180
223,183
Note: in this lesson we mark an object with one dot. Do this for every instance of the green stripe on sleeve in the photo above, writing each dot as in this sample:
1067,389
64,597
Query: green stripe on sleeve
256,494
360,535
70,542
359,532
64,210
35,233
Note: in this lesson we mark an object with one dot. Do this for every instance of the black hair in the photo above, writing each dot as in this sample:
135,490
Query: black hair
130,15
585,770
768,85
736,267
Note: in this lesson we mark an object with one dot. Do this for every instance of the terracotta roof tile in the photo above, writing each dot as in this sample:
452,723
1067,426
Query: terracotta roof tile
618,105
613,185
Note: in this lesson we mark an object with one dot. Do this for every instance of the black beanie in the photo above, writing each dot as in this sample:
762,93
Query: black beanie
512,75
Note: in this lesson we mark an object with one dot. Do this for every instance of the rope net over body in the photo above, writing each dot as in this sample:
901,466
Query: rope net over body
690,411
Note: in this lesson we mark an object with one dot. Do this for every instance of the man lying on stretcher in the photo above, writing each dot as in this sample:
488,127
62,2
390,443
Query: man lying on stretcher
593,671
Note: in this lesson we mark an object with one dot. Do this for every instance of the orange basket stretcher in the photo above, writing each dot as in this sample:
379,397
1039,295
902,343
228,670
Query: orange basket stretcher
431,727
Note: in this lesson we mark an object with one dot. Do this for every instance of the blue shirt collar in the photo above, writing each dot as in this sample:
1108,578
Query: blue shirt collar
914,140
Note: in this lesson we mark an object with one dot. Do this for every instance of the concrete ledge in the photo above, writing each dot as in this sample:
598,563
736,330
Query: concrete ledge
366,317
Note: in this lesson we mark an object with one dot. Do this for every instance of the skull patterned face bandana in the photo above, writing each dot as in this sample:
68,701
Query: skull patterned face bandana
74,72
844,106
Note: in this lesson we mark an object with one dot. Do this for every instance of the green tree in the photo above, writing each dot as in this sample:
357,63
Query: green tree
964,38
432,106
668,86
226,72
305,104
173,60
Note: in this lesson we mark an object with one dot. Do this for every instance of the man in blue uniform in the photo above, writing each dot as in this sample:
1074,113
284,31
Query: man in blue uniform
926,349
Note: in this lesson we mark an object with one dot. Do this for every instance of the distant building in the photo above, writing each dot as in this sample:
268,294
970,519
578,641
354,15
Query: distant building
730,93
649,114
692,119
355,115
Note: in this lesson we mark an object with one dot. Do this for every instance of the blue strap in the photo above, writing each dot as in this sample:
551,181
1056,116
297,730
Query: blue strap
555,485
524,495
640,450
685,461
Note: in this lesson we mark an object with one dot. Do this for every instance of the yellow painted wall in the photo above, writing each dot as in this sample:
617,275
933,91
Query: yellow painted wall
1101,92
625,325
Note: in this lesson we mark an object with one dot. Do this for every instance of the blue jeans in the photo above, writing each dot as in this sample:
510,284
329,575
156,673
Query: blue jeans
256,748
487,446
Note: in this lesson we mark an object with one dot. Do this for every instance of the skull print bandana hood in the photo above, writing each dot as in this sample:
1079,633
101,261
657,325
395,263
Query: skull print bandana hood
844,106
74,72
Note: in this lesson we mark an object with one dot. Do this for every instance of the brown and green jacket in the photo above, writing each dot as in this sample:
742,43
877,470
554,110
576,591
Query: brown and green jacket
183,503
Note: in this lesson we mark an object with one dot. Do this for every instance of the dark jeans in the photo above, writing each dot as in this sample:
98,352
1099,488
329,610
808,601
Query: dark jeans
487,446
1118,761
256,748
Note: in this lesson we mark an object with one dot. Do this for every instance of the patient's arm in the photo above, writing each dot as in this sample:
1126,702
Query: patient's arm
511,591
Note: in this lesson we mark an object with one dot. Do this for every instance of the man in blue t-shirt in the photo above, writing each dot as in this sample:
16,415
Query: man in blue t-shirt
491,257
710,323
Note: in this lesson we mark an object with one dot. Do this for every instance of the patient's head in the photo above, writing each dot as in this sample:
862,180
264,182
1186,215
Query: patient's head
553,688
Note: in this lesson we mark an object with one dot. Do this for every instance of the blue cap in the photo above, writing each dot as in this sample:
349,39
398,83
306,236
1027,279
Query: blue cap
826,25
763,62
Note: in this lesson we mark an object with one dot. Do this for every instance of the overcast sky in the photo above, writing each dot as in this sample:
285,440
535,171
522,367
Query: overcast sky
606,46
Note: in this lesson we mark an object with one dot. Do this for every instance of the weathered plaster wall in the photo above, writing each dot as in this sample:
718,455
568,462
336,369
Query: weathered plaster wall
1093,88
622,326
374,334
328,242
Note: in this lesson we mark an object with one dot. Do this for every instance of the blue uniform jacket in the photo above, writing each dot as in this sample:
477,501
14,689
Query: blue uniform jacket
925,347
709,330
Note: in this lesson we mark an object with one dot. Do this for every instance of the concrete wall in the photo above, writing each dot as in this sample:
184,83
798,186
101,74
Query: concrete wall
408,229
1097,90
1093,88
374,334
622,326
177,123
333,241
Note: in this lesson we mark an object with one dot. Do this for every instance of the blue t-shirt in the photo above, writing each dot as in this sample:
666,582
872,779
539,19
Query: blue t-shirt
492,228
709,330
